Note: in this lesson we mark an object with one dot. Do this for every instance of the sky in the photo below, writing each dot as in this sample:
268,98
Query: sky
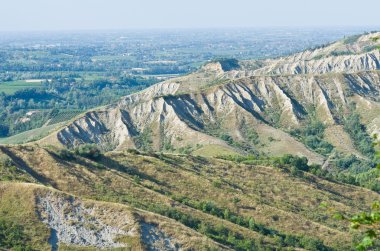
57,15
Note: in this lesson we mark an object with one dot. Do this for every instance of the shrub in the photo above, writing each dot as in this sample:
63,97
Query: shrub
312,136
300,163
12,236
133,151
358,133
66,154
88,151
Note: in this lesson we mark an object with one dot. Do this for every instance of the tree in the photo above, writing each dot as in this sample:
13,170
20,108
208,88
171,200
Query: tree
368,222
88,151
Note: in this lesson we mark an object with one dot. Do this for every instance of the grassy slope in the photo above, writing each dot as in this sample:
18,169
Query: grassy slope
31,135
272,196
17,205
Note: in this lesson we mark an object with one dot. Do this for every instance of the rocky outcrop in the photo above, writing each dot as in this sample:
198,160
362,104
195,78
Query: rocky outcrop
73,223
156,240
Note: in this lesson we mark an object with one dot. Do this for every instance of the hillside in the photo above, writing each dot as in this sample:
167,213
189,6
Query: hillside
238,110
353,54
259,204
74,223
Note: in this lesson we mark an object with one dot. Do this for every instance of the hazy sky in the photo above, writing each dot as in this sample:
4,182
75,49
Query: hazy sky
22,15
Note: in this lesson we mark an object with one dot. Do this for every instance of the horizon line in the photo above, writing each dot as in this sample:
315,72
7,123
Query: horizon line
193,28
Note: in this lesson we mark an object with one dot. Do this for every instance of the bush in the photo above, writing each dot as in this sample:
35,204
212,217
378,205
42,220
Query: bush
66,154
88,151
12,236
300,163
309,243
358,133
312,136
4,130
133,151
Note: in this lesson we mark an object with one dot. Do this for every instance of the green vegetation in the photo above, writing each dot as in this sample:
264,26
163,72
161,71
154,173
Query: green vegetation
351,170
11,87
375,39
28,136
343,168
9,172
251,136
219,233
312,136
249,133
340,53
368,222
20,228
351,39
66,154
12,236
283,240
60,99
144,140
358,133
57,116
287,161
87,151
273,116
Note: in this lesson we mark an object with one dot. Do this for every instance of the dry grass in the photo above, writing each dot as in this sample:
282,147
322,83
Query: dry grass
17,205
271,196
214,151
336,136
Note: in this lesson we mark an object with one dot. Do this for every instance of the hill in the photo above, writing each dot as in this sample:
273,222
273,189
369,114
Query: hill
265,205
49,219
254,107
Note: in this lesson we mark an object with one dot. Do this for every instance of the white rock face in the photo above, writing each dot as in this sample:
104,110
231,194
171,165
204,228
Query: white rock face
73,223
175,116
337,64
276,92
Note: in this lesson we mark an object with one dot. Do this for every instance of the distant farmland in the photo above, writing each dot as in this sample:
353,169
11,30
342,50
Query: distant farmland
13,86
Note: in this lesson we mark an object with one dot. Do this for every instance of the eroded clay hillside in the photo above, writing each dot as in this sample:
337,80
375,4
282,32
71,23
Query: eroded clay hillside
239,109
353,54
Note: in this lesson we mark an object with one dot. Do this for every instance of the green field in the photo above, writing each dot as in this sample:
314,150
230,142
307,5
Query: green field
29,136
13,86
